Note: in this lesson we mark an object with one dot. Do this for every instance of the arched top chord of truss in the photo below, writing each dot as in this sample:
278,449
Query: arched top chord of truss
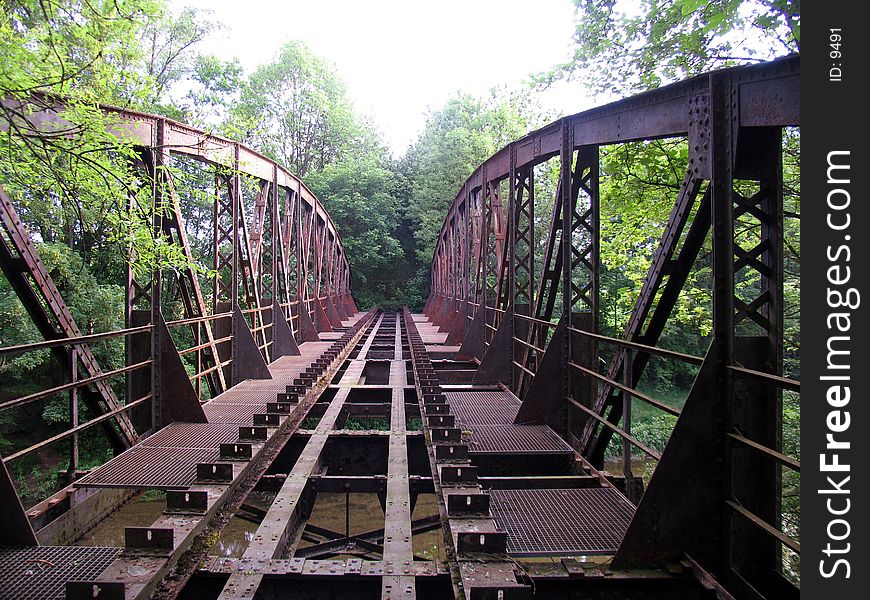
765,92
142,129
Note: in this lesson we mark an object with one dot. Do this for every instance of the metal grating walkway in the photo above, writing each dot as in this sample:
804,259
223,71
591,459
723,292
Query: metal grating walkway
563,521
240,414
167,459
41,572
193,435
260,396
519,439
483,408
150,467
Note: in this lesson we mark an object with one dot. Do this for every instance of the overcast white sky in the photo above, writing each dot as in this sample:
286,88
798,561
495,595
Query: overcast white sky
399,58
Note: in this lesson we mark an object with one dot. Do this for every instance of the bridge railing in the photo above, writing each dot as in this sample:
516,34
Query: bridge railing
115,418
528,309
279,275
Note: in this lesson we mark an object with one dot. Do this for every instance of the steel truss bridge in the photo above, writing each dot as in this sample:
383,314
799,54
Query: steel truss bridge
484,420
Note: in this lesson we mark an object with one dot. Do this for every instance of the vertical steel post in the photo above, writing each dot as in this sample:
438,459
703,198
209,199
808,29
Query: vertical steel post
300,270
235,190
217,263
74,412
566,155
626,420
274,244
466,259
722,184
159,157
512,256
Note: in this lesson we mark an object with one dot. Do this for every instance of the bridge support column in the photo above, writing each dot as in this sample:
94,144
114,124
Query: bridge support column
546,401
435,308
427,308
452,316
331,313
340,308
353,307
674,517
176,397
459,326
15,529
321,319
224,328
446,315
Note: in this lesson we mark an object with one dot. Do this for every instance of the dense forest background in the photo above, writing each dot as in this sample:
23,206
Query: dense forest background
73,191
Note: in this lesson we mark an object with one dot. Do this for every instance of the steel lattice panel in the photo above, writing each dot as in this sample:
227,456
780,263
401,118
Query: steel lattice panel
193,435
41,572
150,467
569,521
517,439
241,414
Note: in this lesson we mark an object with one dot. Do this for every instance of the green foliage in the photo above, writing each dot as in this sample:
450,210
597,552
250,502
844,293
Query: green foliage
17,328
625,47
74,47
791,481
168,43
75,183
214,87
360,195
457,138
455,141
296,110
96,307
367,424
309,423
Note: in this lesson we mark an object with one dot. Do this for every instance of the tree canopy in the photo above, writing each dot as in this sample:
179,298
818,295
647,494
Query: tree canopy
296,110
629,47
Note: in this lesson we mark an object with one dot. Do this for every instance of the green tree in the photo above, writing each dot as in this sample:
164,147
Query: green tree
625,48
296,110
455,141
360,193
76,182
169,54
214,88
632,47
